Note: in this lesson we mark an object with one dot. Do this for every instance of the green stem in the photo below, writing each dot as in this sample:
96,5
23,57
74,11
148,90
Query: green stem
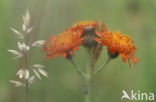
27,86
102,66
88,88
77,68
27,83
88,76
26,40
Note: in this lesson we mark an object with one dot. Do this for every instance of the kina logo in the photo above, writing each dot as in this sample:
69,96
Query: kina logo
134,96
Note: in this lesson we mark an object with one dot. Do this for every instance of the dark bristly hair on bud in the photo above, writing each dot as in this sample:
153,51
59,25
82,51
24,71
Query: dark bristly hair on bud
69,56
115,55
89,32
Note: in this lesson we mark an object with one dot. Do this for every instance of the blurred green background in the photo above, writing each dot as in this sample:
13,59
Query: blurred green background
137,18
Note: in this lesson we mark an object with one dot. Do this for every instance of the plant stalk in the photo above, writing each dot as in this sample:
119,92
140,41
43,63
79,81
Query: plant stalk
88,87
27,91
102,66
88,76
27,83
26,40
77,68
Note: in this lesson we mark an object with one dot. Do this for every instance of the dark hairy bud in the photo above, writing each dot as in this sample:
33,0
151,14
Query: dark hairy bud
113,55
89,32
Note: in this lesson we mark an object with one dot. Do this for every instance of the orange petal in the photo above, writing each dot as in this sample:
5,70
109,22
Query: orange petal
71,52
98,34
129,63
76,48
64,54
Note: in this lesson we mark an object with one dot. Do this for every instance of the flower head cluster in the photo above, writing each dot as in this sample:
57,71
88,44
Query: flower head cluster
118,44
63,44
89,34
23,53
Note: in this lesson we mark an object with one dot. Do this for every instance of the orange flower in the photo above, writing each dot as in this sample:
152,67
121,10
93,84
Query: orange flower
117,43
88,29
80,26
63,44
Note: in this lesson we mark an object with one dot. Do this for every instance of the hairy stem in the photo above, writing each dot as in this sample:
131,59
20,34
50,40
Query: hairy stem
77,68
88,94
88,75
88,86
102,66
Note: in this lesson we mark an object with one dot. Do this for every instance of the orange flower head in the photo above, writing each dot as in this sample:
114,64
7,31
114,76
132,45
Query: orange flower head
87,29
63,44
80,26
117,43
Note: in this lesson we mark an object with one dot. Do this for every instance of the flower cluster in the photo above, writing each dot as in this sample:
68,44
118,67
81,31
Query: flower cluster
24,47
89,34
